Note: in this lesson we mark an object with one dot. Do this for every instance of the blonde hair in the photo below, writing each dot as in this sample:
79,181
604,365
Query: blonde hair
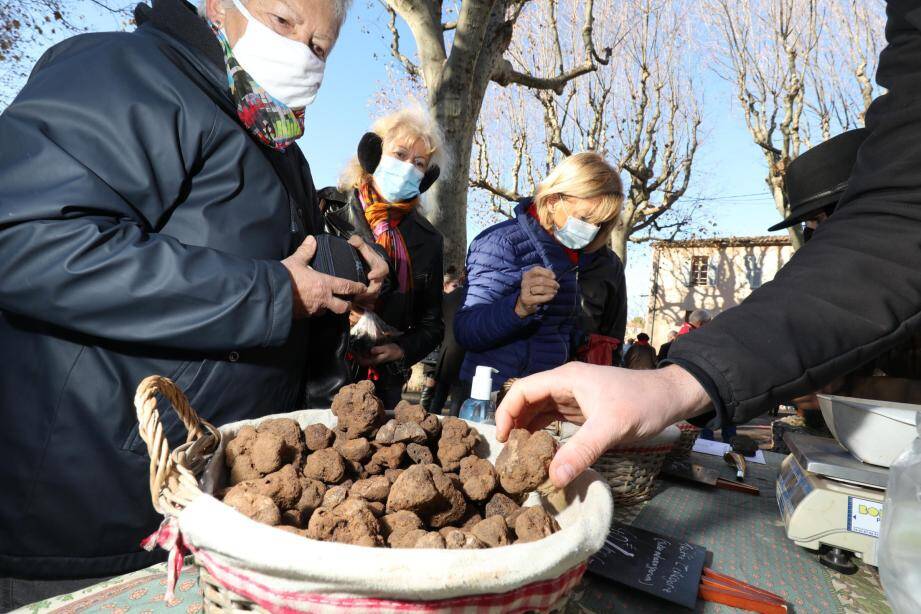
583,175
411,124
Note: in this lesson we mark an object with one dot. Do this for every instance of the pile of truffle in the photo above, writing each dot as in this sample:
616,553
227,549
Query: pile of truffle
411,482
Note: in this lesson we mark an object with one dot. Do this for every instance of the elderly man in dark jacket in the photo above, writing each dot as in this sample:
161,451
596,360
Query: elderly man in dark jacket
856,284
148,225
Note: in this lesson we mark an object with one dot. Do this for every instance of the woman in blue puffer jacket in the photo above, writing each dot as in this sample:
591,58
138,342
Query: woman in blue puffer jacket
522,304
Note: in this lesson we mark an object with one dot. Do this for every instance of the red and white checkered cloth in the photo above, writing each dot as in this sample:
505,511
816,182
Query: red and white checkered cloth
537,597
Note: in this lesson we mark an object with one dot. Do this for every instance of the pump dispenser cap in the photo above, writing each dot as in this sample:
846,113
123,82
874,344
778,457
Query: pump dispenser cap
482,383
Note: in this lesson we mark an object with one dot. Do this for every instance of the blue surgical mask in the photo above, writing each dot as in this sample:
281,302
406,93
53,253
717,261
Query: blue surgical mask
576,234
397,181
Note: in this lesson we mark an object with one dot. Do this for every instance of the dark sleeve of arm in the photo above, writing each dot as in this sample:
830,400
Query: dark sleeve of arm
81,193
619,302
488,319
430,329
854,291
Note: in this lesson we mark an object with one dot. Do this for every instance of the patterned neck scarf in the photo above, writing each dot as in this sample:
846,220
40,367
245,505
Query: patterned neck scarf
272,122
384,219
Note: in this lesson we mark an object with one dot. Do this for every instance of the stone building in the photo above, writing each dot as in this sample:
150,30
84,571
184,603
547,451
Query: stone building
713,274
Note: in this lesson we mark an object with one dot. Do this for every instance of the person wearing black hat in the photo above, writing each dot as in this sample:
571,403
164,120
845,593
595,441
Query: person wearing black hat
816,181
851,294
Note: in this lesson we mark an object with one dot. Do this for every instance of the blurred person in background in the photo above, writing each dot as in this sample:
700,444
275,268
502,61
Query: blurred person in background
663,349
442,363
698,318
641,355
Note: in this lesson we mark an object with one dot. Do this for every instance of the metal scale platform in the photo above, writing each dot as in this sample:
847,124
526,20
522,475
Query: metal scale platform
830,501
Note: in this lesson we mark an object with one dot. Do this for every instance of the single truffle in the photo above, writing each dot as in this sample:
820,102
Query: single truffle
501,505
455,539
524,462
419,454
358,450
432,427
238,458
372,489
290,432
399,522
361,523
430,540
478,477
268,453
414,491
254,505
351,522
457,441
241,444
318,437
282,486
534,523
406,539
407,412
397,432
492,531
358,410
386,457
336,495
452,506
325,465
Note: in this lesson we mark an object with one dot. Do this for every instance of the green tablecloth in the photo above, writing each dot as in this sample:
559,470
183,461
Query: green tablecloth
744,534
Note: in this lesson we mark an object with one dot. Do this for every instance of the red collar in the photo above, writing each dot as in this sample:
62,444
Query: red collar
572,254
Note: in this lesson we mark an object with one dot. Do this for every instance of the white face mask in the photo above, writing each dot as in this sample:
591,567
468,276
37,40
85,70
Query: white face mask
288,70
576,234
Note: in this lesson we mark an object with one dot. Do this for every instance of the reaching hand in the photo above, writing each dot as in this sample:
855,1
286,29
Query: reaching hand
614,406
538,286
382,354
377,271
314,292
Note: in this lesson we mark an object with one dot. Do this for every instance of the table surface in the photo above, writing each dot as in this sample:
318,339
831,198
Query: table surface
743,533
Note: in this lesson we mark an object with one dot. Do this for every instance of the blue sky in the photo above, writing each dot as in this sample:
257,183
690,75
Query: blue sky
728,164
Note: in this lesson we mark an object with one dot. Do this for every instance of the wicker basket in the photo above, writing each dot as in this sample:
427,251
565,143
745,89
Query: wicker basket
175,484
631,471
684,445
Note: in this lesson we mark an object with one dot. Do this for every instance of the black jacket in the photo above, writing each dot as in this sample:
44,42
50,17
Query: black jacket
418,314
854,291
640,357
141,228
603,290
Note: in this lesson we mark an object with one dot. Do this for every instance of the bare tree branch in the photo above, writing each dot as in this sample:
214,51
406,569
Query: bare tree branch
408,65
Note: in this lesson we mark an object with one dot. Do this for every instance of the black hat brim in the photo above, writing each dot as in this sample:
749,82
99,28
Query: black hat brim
802,214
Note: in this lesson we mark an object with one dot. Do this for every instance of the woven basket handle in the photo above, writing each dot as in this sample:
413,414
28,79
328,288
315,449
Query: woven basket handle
173,476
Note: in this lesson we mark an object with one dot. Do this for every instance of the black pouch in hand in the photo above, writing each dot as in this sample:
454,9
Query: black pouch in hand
337,258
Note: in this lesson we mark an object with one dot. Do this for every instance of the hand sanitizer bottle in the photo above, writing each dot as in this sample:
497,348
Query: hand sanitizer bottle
480,407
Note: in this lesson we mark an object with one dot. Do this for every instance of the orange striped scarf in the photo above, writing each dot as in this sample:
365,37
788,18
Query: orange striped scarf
384,218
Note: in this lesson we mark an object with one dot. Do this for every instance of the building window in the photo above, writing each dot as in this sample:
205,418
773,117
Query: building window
700,268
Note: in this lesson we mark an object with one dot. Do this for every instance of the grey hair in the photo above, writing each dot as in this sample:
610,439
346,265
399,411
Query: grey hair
342,8
699,316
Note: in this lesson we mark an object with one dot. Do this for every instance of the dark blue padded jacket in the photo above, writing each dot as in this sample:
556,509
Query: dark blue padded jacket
487,325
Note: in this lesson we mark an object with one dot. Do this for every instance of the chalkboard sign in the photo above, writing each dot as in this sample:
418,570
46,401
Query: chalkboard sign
661,566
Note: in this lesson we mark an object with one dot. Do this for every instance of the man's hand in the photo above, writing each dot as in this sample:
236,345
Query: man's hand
538,286
315,293
382,354
614,406
377,271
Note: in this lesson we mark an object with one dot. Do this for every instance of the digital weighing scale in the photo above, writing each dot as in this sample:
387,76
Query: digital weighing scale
830,501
